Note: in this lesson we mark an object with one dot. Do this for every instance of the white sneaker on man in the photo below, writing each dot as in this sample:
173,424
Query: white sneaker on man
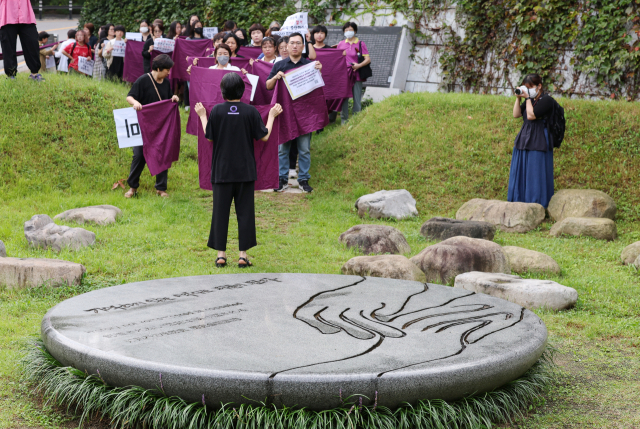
186,109
293,174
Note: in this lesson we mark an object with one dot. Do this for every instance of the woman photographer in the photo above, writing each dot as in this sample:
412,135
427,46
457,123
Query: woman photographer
531,176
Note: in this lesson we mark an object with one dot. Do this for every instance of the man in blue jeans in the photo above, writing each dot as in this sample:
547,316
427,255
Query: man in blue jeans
295,60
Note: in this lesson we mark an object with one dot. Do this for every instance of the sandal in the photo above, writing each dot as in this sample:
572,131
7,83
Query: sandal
162,194
131,193
246,264
221,264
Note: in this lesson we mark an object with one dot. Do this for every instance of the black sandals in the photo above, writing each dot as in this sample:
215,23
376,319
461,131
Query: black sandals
246,264
223,264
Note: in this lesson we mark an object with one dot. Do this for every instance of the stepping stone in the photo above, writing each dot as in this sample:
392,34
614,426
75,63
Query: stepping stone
397,204
529,293
506,216
525,260
388,266
294,183
441,228
602,229
630,253
581,203
41,232
32,272
100,215
3,250
372,239
445,260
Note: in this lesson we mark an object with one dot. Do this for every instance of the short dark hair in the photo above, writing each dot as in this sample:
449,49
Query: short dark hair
120,28
266,40
103,34
160,26
158,21
162,62
243,41
532,79
350,24
89,26
296,35
43,35
257,27
232,86
218,36
229,25
71,34
283,39
319,29
146,21
221,46
234,37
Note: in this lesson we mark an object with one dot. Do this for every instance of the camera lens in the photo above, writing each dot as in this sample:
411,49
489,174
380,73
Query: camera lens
518,91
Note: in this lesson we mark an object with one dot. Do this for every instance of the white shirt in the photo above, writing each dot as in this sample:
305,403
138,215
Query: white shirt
227,67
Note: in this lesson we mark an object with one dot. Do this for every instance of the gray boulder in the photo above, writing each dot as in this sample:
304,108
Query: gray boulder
388,266
636,263
397,204
101,215
581,203
525,260
506,216
3,250
41,232
445,260
373,239
441,228
529,293
630,253
602,229
20,273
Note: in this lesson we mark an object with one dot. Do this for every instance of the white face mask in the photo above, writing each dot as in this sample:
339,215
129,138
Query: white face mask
349,34
144,29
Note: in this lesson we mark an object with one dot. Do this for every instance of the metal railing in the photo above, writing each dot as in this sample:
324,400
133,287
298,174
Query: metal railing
70,7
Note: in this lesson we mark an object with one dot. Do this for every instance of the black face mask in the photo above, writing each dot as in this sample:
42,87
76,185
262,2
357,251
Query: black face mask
198,31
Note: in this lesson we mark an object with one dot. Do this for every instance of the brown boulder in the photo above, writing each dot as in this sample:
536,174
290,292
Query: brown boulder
375,239
508,217
387,266
602,229
581,203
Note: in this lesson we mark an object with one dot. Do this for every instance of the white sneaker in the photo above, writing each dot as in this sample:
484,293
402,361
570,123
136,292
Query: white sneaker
293,174
186,109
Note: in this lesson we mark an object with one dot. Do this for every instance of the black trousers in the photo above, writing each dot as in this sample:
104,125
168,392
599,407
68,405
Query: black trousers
242,194
28,39
137,165
293,155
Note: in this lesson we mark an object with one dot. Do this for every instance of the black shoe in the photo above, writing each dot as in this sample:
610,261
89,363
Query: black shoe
284,184
304,185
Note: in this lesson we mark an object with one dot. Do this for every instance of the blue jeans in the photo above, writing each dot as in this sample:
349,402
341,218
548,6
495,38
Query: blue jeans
304,157
357,102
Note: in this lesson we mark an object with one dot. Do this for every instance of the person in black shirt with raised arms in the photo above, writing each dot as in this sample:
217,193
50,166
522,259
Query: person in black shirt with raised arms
232,126
150,88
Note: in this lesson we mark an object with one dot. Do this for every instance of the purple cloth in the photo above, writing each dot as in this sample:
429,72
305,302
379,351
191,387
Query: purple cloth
20,53
134,62
249,52
335,73
266,154
301,116
206,62
205,88
160,128
262,95
241,63
188,48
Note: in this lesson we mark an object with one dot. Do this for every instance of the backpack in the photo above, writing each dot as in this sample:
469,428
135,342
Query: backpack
556,124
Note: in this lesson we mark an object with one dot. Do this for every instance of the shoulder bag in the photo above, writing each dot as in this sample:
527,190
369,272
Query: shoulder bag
364,72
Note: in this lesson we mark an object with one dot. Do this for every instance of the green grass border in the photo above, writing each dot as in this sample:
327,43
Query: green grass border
132,406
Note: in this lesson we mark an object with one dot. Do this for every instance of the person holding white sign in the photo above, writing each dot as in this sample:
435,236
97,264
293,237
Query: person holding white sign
76,50
150,88
158,30
115,60
46,55
295,60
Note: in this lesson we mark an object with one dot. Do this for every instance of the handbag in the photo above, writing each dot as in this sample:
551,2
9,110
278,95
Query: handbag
364,72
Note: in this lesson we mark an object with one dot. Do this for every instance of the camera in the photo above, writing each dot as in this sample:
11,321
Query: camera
531,92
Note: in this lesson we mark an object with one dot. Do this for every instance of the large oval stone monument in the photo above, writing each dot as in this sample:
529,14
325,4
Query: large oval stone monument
296,339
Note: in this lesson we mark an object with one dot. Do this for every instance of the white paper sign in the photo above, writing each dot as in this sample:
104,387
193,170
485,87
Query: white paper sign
127,127
303,80
164,45
50,62
296,23
85,65
133,36
119,47
209,32
254,83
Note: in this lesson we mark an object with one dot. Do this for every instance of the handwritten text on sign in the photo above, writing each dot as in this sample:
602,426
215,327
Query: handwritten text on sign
209,32
303,80
133,36
164,45
296,23
127,127
85,65
119,47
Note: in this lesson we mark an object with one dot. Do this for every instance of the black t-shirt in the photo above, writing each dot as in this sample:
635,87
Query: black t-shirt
233,126
144,93
541,108
286,65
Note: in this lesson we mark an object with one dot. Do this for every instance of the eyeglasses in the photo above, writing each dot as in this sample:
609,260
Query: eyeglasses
295,43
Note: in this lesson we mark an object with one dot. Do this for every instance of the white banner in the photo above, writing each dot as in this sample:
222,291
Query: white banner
127,127
119,47
164,45
303,80
50,62
209,32
254,83
133,36
85,65
296,23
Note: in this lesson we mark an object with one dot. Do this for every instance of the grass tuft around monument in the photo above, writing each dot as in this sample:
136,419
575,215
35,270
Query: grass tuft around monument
134,406
58,151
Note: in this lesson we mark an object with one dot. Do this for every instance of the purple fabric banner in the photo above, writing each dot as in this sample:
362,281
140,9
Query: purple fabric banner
249,52
160,128
265,153
188,48
301,116
133,61
241,63
206,62
205,88
262,95
337,77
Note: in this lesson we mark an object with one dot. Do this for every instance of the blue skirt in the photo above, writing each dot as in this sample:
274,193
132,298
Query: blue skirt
531,176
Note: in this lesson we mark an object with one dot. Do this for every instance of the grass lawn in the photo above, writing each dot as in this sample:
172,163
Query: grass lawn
58,151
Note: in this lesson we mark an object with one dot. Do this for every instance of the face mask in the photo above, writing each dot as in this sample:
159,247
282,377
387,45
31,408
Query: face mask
198,30
533,92
223,60
144,29
349,34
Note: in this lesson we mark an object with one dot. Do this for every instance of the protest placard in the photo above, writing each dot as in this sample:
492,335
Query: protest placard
127,127
296,23
164,45
119,47
303,80
133,36
85,65
50,62
209,32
